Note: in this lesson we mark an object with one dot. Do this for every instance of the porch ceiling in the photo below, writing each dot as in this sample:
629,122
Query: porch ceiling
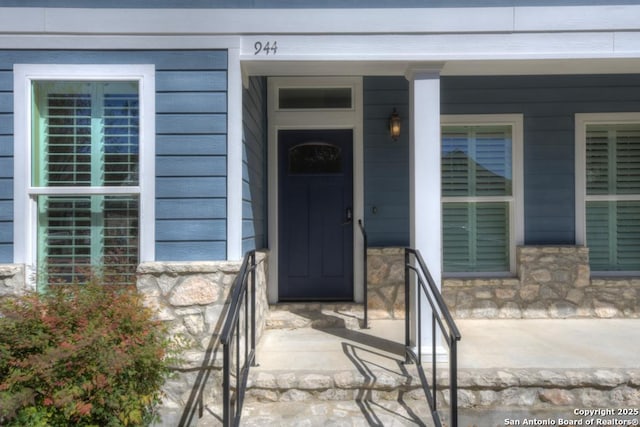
450,68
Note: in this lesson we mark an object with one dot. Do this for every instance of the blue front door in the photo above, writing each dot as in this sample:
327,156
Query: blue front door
315,215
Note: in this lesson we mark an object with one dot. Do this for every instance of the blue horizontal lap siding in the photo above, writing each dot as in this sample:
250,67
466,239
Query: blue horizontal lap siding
254,162
191,164
204,209
175,165
386,168
193,80
6,164
548,104
191,145
195,145
191,161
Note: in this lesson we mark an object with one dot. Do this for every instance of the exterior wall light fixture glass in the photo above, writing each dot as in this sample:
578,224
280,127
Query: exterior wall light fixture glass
394,125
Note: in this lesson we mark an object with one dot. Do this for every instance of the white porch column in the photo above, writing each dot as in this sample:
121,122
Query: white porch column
234,156
424,172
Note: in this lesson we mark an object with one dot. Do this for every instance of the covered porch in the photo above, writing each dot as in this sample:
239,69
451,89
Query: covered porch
541,369
404,196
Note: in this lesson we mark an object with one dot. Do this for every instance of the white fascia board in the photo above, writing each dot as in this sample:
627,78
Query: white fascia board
320,21
627,42
277,21
103,42
21,20
577,18
541,67
433,47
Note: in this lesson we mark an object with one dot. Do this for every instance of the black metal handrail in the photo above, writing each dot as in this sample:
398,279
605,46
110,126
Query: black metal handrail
441,317
365,273
243,300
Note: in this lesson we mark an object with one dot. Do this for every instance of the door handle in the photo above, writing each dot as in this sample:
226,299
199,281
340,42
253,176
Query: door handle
349,215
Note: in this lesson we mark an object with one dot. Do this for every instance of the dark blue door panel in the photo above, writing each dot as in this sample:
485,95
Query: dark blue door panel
315,226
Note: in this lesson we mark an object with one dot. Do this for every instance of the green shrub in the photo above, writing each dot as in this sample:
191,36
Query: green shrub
85,355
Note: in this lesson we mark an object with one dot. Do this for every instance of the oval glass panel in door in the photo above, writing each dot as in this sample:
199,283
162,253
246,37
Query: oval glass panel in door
315,158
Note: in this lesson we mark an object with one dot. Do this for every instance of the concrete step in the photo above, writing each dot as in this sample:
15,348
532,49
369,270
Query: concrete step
517,363
337,413
315,315
477,388
316,360
306,386
545,388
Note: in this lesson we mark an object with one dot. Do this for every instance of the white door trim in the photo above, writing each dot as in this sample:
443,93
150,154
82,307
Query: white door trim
315,119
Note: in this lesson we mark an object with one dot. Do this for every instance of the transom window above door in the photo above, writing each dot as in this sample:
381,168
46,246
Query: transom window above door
320,98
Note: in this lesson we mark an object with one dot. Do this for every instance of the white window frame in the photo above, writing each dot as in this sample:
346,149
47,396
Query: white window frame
516,211
25,195
582,120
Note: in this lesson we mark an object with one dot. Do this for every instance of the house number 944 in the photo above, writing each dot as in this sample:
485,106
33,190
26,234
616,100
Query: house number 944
268,48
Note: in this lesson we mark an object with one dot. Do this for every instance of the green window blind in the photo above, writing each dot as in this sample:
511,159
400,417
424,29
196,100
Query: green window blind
86,136
476,237
476,161
613,197
477,197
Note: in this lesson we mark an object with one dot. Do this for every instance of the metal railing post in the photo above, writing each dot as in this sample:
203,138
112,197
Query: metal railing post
226,387
407,303
234,334
434,366
365,273
440,317
253,304
453,382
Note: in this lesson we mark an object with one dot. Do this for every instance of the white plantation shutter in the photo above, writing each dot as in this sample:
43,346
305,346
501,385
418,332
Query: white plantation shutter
85,136
477,198
476,237
64,237
613,196
628,161
121,125
493,161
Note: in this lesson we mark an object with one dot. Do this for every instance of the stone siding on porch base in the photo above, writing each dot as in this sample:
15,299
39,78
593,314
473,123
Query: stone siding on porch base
192,298
551,282
385,281
12,280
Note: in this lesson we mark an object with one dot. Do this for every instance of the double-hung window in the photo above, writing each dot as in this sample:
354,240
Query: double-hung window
481,193
88,156
608,190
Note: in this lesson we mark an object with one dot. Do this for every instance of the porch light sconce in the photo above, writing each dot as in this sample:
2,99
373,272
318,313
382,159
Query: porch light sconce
394,125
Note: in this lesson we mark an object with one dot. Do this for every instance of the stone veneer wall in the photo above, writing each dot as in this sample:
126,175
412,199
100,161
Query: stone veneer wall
193,299
12,279
551,282
385,281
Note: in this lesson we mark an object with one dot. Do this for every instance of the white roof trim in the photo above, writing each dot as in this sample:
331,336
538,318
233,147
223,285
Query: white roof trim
324,21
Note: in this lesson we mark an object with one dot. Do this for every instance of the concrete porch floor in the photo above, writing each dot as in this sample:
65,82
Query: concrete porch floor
508,343
525,351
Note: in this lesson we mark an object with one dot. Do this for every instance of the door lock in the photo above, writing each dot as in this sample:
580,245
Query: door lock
349,217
